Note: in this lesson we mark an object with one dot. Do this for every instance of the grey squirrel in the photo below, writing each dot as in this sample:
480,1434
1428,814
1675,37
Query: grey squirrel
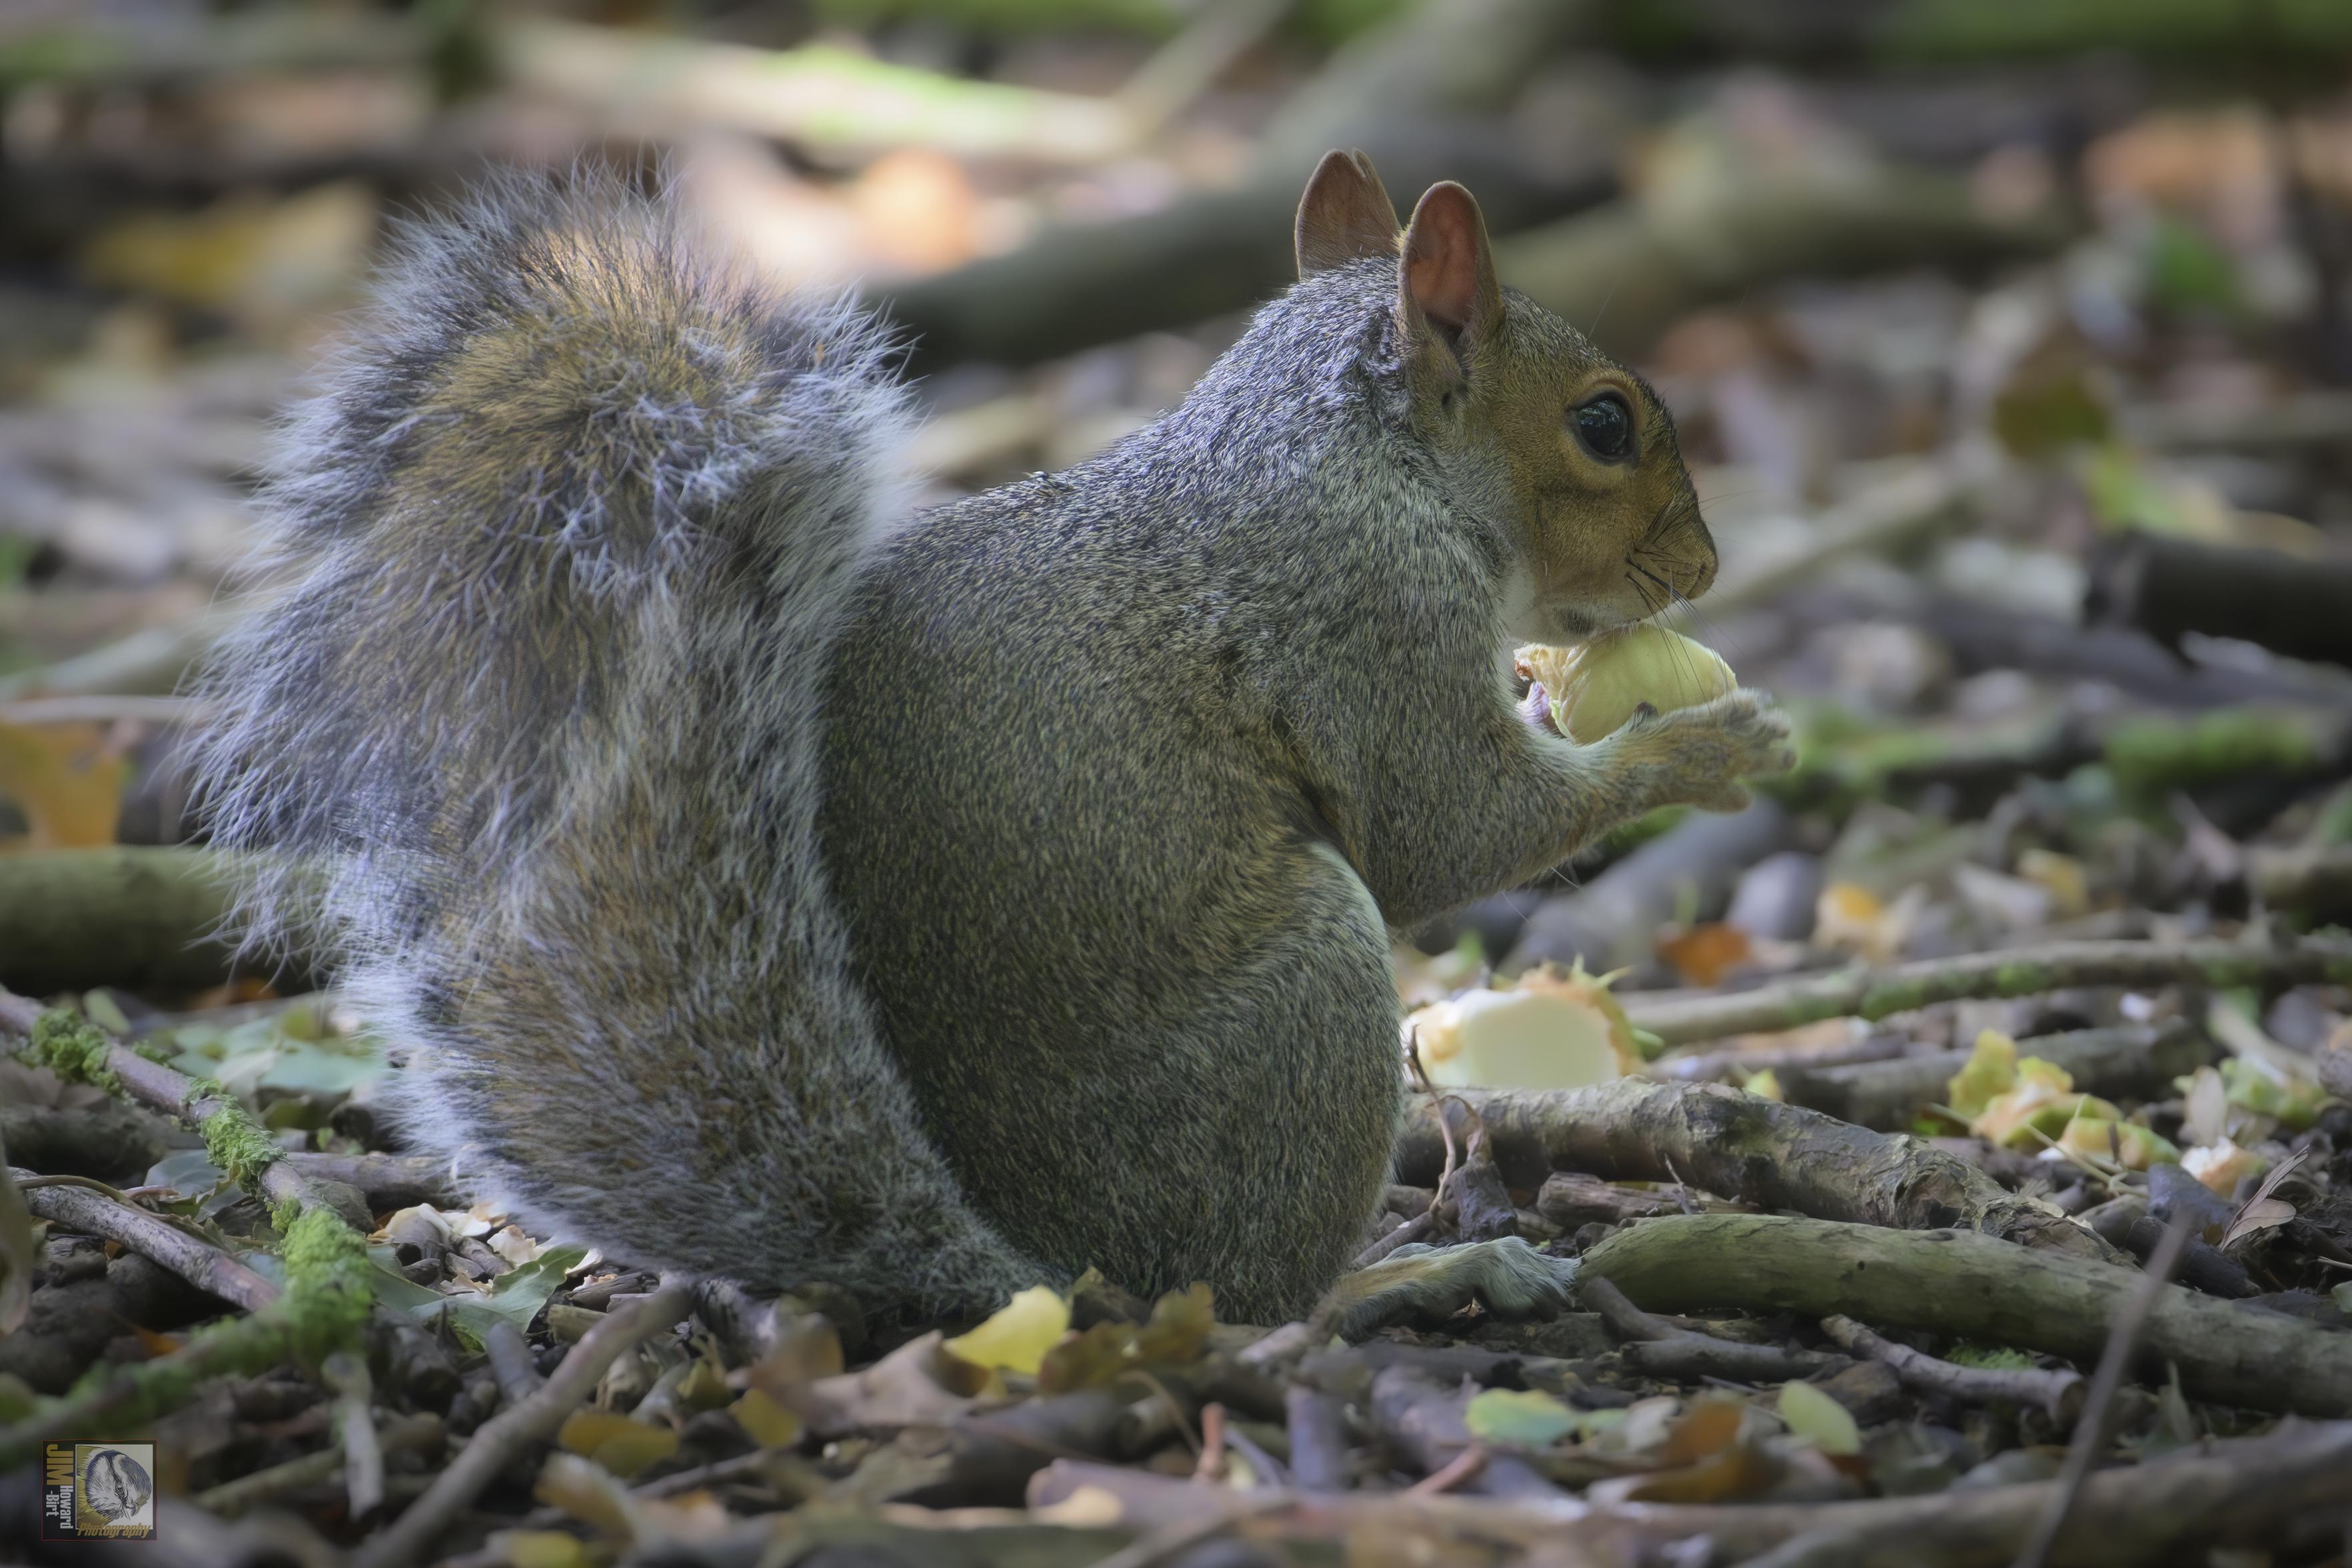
772,885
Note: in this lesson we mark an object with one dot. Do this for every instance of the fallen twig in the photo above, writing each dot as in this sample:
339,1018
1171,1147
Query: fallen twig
2059,966
515,1430
200,1263
1734,1144
2221,1492
1661,1349
420,1431
355,1431
1954,1282
2131,1060
2128,1322
2056,1391
236,1144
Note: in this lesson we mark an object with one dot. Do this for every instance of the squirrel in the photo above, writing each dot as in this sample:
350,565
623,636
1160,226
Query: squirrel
767,883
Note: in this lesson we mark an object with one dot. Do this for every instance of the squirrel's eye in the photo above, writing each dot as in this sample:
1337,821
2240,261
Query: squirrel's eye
1605,425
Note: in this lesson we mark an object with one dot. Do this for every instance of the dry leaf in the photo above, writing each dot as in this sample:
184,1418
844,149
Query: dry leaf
1740,1470
1708,1427
768,1423
1706,954
2262,1211
615,1442
1850,916
2222,1166
66,779
918,1384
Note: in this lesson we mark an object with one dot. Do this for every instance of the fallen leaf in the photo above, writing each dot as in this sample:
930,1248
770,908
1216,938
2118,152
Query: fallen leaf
2125,1144
615,1442
768,1423
2205,1108
919,1384
1709,1425
1850,916
66,781
2222,1166
1740,1470
2062,876
1813,1415
2262,1211
1016,1337
1992,1071
1705,954
1532,1419
575,1487
540,1549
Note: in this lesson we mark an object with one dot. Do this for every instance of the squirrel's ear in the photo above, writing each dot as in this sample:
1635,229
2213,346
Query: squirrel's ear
1447,285
1345,214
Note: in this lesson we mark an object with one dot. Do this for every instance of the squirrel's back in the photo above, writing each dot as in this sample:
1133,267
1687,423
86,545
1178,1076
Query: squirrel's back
563,538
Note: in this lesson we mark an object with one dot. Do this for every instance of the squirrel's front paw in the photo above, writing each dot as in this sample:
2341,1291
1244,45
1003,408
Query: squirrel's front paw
1705,751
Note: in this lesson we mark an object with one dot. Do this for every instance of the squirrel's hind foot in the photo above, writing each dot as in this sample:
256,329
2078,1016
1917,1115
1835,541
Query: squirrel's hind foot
1419,1282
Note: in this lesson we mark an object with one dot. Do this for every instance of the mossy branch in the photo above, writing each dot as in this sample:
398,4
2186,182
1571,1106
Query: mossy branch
324,1307
77,1049
1959,1282
2057,965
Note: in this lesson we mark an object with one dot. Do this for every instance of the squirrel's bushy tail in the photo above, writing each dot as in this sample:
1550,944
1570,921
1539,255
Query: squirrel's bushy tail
531,730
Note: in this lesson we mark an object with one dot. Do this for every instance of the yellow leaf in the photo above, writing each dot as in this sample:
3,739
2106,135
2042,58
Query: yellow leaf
540,1549
2127,1144
705,1388
66,779
2061,875
1810,1412
1020,1333
770,1424
620,1445
1764,1085
1991,1069
580,1490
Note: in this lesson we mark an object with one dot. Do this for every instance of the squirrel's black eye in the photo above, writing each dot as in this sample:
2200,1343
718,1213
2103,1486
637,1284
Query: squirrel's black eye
1605,425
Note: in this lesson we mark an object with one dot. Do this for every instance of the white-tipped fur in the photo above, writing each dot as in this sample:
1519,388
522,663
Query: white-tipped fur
529,732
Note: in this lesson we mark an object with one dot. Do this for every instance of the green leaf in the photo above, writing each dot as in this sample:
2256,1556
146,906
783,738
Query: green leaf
514,1297
1810,1412
1530,1420
188,1172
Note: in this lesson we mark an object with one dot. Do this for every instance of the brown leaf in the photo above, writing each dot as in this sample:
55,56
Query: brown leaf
2262,1211
1703,955
1741,1471
1709,1426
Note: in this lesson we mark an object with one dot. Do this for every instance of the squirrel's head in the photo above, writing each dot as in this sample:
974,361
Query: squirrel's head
1542,432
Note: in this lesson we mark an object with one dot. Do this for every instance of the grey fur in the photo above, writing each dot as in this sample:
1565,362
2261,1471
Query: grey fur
771,894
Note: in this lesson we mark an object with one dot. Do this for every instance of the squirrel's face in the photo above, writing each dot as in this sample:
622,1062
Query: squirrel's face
1539,430
1608,525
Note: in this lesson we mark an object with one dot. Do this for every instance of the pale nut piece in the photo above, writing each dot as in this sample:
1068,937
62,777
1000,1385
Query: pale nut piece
1595,687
